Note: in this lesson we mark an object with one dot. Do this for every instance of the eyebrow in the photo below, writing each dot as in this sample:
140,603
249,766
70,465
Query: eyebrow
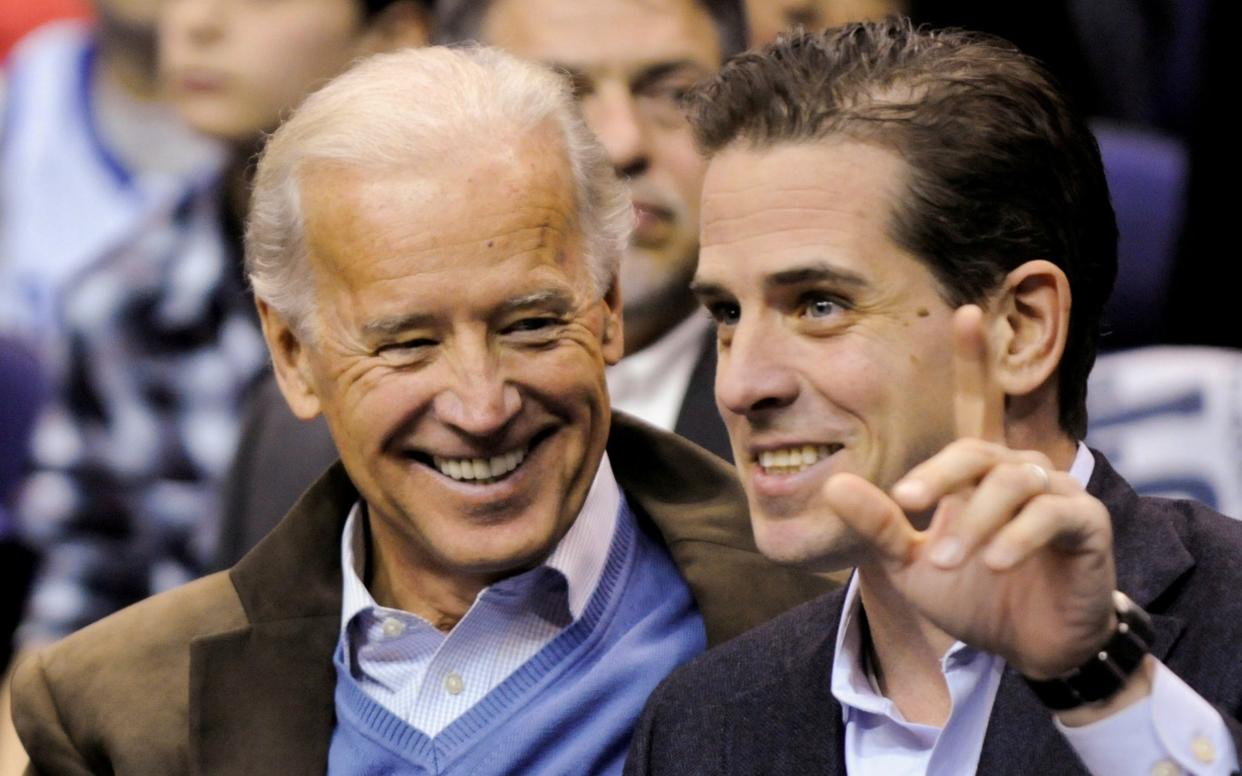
656,72
647,75
386,327
555,299
815,272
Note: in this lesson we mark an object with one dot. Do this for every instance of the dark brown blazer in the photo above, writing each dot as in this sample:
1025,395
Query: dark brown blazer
233,674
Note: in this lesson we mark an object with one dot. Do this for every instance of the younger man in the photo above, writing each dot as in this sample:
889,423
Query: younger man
895,225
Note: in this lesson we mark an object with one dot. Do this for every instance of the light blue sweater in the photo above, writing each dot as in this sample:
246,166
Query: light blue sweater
571,708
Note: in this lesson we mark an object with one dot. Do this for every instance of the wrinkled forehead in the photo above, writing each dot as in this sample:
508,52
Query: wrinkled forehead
437,213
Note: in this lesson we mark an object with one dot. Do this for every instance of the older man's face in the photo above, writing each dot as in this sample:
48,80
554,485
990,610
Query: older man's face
631,61
461,350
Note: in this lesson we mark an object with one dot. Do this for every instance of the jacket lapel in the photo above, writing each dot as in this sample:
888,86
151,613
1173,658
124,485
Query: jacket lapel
699,509
261,697
1150,557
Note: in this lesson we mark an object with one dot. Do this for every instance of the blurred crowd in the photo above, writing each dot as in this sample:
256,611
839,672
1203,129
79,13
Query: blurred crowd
143,439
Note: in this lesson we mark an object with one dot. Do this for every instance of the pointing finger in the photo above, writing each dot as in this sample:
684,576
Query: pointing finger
979,404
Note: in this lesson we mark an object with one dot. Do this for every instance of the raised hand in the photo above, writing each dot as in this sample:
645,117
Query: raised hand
1017,559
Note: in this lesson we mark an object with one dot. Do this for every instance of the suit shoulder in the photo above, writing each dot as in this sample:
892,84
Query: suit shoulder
1213,540
148,638
121,685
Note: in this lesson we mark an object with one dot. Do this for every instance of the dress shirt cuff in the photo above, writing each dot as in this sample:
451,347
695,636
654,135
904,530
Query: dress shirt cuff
1172,731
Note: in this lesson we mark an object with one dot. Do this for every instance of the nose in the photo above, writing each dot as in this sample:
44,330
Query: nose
755,372
194,21
478,401
613,116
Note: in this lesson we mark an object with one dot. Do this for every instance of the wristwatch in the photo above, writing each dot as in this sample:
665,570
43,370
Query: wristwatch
1101,677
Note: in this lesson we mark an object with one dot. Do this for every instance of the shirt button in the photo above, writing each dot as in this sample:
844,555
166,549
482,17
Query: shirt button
453,683
393,627
1165,768
1203,750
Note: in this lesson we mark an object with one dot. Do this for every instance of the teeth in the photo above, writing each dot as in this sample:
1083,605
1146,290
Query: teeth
480,468
792,460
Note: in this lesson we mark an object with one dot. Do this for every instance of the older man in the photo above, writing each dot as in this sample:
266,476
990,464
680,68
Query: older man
629,61
501,569
907,244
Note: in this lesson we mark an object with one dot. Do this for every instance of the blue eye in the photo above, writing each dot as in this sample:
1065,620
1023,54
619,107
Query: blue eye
819,307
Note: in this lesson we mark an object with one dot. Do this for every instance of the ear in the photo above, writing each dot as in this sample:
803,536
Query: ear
614,331
290,363
400,24
1030,325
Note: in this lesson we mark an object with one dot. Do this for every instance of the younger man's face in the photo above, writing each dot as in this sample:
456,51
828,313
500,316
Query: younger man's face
836,349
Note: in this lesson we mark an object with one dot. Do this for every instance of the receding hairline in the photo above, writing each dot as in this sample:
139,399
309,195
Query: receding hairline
521,157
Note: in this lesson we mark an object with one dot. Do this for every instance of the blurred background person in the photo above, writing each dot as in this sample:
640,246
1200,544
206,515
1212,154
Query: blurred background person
769,18
91,158
93,165
158,339
17,19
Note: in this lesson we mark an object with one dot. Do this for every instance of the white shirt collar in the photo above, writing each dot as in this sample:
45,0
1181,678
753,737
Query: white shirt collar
651,384
579,556
1083,466
851,682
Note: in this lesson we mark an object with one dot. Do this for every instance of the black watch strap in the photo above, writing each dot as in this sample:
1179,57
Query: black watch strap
1106,672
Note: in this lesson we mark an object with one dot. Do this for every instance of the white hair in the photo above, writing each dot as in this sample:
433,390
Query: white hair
421,104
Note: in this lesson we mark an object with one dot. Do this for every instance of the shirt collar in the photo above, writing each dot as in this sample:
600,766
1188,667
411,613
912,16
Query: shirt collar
579,556
1083,466
649,366
851,681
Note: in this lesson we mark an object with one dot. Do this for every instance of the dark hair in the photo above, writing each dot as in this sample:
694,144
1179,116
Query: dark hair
461,20
1001,170
372,8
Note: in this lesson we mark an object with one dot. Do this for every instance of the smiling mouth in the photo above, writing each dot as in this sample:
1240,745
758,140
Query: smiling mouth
479,470
791,460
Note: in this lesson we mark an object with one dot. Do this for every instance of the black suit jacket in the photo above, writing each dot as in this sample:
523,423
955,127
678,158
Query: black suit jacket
279,456
762,703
